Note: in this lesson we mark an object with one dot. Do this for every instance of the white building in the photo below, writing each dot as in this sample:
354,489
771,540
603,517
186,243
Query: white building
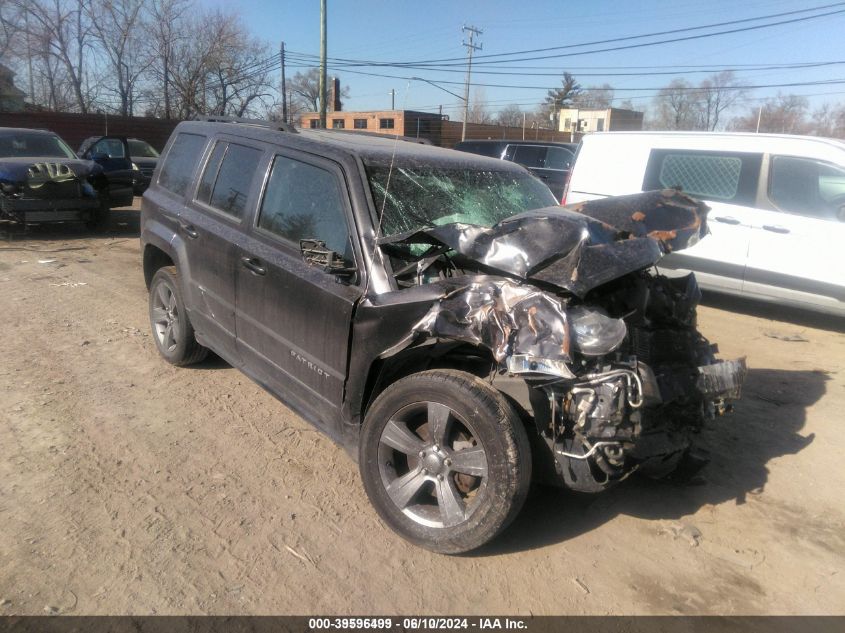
612,119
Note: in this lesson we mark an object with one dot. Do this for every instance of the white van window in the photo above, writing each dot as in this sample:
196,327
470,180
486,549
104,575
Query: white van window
712,176
807,187
723,176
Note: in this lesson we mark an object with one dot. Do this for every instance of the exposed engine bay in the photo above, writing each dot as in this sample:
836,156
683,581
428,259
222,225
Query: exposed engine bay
568,300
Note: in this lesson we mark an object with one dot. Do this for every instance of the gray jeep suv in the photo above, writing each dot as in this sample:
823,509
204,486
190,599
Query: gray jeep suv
434,313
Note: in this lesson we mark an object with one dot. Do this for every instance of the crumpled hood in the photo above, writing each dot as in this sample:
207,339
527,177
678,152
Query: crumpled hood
575,248
20,170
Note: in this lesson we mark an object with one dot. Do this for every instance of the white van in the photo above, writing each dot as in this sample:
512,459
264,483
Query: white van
777,224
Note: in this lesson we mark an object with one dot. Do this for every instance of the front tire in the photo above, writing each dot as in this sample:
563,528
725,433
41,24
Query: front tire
445,460
172,330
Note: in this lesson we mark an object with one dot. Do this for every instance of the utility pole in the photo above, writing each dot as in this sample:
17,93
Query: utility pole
323,78
471,46
29,58
284,90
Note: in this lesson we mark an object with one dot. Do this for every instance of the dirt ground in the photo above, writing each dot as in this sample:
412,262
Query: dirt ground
128,486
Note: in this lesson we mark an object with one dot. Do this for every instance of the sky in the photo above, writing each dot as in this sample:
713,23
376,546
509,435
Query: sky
391,31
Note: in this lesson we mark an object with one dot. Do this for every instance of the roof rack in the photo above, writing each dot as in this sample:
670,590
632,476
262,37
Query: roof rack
273,125
409,139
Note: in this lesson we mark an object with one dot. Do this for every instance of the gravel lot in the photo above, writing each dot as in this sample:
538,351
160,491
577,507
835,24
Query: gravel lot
128,486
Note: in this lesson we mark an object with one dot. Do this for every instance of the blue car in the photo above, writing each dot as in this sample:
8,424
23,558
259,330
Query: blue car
42,180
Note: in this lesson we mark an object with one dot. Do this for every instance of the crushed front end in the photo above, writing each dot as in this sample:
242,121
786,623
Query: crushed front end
619,379
634,401
52,190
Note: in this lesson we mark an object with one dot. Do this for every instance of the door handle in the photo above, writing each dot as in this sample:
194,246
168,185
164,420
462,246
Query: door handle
775,228
726,220
254,265
189,230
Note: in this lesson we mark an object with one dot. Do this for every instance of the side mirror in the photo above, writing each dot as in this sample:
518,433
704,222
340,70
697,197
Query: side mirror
315,253
99,156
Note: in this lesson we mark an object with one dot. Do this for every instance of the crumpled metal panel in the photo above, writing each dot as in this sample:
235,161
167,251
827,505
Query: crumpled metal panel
575,249
501,315
669,216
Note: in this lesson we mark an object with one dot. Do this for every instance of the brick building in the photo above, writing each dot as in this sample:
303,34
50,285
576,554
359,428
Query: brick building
391,122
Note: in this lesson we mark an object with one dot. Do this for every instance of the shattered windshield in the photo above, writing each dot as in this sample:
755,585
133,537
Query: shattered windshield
424,196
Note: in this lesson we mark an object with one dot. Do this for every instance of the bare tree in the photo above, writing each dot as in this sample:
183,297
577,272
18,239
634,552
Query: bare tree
116,30
165,30
9,27
677,107
510,116
304,89
784,114
594,98
829,120
63,32
718,94
478,112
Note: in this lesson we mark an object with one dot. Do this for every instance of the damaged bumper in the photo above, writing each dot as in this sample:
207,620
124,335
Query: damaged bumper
722,380
618,377
48,210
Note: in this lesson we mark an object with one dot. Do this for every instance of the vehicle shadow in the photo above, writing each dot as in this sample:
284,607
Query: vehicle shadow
212,361
765,310
765,424
124,223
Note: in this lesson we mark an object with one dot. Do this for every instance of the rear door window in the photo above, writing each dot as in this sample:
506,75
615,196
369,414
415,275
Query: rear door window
721,176
529,155
227,177
558,158
303,201
809,187
182,157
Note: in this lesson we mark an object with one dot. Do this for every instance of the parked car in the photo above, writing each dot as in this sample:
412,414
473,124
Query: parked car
778,205
143,156
437,314
42,180
547,160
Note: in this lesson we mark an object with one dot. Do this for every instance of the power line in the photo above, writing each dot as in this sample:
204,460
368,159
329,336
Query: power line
488,59
627,89
673,31
697,70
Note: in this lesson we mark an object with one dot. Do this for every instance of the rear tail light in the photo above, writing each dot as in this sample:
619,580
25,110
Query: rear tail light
565,188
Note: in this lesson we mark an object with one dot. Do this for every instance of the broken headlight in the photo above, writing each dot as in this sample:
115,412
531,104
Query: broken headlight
594,333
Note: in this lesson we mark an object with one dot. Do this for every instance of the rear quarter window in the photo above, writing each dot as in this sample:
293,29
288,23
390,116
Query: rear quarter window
710,175
178,168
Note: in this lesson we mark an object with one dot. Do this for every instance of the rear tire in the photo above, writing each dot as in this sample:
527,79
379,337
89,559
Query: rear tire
172,330
445,460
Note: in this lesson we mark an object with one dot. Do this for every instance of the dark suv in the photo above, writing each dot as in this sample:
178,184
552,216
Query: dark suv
551,162
435,313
